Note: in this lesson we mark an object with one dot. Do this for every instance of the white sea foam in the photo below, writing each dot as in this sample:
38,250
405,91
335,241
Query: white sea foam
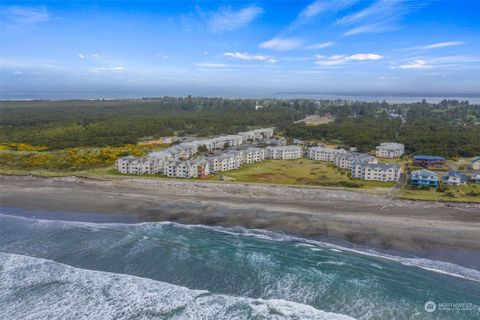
50,290
446,268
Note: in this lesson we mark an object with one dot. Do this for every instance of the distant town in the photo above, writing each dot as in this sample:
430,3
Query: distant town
200,158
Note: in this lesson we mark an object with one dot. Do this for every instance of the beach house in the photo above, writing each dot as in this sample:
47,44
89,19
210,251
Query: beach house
389,150
455,178
429,161
476,163
346,160
424,178
376,172
324,154
284,152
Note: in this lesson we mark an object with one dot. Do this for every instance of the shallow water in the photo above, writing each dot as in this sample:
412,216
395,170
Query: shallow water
49,269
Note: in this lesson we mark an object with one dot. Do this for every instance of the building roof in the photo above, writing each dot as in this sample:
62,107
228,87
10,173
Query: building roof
390,145
476,159
423,172
381,166
455,174
424,157
286,148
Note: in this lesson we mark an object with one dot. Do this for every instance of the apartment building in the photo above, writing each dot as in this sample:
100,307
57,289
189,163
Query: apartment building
132,165
257,134
324,154
225,161
186,169
347,160
284,152
389,150
376,172
252,155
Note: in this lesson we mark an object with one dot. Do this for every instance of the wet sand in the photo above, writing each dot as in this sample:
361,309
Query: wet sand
439,231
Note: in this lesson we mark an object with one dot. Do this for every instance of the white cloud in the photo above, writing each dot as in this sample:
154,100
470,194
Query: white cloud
249,57
27,15
108,69
81,56
416,64
442,45
95,56
211,65
281,44
227,19
320,6
342,59
381,16
320,45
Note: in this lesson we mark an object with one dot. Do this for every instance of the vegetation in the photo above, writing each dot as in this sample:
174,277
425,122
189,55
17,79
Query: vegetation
300,172
468,193
450,128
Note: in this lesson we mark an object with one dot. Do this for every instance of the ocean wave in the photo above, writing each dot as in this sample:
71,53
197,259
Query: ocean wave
51,290
436,266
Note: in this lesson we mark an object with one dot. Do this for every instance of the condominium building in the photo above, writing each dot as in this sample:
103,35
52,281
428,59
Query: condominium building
324,154
424,178
376,172
284,152
390,150
225,161
252,155
346,161
257,134
186,169
132,165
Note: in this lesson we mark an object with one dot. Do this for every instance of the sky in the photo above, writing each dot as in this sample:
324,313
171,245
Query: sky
238,48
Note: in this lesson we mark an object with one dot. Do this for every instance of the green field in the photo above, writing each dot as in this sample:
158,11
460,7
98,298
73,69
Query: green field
468,193
300,172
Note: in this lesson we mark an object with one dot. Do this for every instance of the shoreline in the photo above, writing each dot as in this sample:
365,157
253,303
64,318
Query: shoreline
431,230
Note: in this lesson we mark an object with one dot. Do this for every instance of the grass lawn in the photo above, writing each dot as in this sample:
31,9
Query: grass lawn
468,193
300,172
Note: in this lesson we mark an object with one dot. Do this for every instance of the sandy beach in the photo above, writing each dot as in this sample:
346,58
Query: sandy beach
439,231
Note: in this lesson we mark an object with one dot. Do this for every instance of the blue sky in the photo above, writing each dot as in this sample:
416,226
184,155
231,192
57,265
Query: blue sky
240,47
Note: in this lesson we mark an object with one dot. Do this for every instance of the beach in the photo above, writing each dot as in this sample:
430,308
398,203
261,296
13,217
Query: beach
438,231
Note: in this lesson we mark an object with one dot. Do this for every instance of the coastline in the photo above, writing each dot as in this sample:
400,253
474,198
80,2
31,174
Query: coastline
432,230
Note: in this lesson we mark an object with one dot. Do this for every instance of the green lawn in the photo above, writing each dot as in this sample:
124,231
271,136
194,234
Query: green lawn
468,193
300,172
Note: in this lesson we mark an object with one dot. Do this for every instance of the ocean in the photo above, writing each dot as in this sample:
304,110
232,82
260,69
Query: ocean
53,269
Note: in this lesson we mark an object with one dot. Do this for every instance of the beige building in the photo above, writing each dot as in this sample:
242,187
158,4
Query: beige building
390,150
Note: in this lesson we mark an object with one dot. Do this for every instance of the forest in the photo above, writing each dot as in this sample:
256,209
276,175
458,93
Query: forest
450,128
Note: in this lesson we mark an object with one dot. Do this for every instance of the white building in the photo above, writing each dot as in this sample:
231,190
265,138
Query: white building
377,172
132,165
252,155
324,154
186,169
224,162
257,134
390,150
284,152
347,160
